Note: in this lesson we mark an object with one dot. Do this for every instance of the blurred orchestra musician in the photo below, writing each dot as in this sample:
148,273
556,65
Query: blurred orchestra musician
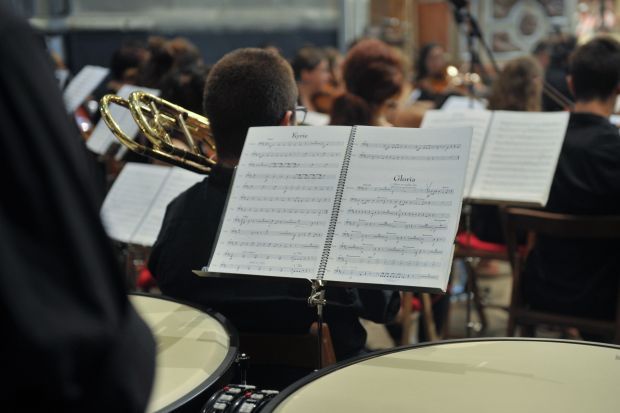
518,87
431,77
579,277
373,75
323,99
311,70
125,65
71,341
250,87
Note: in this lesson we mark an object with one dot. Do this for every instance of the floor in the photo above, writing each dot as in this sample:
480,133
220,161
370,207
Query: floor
495,292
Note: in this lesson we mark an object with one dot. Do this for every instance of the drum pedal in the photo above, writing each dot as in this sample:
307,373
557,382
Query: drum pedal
238,398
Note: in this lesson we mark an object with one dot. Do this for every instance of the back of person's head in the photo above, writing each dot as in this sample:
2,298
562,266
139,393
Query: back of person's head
158,63
561,49
518,86
184,53
184,86
127,59
247,87
595,69
307,58
373,73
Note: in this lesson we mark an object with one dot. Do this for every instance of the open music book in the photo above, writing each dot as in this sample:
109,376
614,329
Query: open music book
362,205
513,154
134,208
102,138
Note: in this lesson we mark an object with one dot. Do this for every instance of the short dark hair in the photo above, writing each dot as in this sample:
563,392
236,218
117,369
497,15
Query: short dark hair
247,87
373,71
307,58
595,69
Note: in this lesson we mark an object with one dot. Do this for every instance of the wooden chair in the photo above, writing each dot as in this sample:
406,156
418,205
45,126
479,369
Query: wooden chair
559,226
469,249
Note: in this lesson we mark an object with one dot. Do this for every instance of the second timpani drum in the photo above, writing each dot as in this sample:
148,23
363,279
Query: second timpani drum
501,375
195,352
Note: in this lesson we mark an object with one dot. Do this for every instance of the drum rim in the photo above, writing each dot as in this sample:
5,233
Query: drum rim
288,391
224,366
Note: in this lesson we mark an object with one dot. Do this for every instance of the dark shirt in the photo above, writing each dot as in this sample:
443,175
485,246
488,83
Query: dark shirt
71,341
262,304
570,276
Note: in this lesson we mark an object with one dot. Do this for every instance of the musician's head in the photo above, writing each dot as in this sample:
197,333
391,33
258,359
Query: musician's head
311,68
431,62
594,70
373,74
245,88
518,86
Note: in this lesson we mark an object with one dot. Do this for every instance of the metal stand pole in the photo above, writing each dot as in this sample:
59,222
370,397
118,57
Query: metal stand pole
317,298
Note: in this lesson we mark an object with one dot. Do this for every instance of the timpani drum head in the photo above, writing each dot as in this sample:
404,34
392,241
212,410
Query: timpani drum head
195,351
501,375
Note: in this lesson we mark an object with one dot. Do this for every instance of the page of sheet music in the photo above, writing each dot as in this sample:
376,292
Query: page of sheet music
520,157
102,137
479,120
463,103
400,207
83,85
130,197
177,181
316,119
281,201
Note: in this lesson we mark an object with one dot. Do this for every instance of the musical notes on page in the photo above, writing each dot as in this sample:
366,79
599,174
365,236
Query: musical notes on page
397,220
134,208
520,157
83,85
281,202
479,120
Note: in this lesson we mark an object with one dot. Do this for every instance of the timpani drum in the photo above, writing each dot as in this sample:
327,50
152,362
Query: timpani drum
500,375
195,352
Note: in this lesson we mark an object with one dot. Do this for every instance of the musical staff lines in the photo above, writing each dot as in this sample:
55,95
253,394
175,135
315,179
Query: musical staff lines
387,275
384,157
411,146
397,225
296,154
271,233
398,202
288,199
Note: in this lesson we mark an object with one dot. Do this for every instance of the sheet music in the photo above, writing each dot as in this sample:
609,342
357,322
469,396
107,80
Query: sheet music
400,207
280,205
479,120
520,157
101,138
462,103
316,119
83,85
177,181
135,205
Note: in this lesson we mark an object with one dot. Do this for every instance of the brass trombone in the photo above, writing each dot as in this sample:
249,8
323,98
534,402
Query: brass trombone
160,121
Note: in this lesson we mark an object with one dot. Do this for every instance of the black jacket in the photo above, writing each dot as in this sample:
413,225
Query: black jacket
261,304
579,277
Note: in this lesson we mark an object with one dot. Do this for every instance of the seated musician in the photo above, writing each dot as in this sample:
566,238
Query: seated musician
571,277
311,70
518,87
250,87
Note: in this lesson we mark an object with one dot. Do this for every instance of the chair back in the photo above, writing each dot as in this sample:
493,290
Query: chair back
561,226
